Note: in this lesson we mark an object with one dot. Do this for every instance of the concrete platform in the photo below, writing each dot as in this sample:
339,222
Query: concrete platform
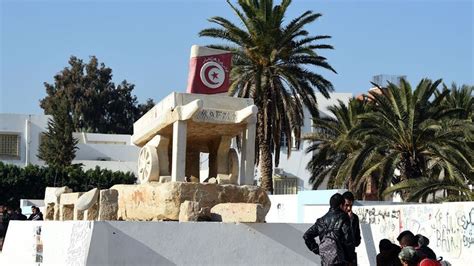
155,243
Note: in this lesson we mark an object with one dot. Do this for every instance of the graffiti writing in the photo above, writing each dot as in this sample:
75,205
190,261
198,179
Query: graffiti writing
447,232
448,226
373,216
209,115
386,220
467,223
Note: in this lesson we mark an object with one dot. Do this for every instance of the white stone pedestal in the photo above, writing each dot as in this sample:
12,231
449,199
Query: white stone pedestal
157,243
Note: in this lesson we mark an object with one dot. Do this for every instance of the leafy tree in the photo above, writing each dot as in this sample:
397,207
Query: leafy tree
331,145
410,130
459,98
58,147
97,105
145,107
270,65
425,134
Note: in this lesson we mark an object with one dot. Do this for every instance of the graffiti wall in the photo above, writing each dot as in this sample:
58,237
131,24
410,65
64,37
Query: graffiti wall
449,226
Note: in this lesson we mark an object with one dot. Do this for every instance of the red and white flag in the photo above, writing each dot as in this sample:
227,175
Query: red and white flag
209,70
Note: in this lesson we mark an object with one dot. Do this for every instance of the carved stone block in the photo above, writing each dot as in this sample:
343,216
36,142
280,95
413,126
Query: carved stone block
108,204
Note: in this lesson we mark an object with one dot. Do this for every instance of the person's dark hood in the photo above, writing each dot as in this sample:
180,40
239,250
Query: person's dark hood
422,240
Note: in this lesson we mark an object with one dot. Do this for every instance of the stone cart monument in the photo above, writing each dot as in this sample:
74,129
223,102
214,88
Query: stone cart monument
171,136
174,133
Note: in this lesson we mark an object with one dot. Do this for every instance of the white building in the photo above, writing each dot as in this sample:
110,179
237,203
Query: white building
20,136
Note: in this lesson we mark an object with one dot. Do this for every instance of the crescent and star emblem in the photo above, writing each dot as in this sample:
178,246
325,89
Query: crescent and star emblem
212,74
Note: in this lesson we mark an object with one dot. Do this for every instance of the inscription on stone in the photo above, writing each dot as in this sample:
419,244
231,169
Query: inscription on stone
212,115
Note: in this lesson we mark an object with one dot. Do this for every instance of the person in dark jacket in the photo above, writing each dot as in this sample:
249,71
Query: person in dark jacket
18,215
36,214
354,219
336,222
410,240
423,243
388,255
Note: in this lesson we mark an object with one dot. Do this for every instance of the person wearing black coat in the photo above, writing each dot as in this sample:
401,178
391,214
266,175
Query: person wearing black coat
355,226
423,243
18,215
388,255
36,214
337,222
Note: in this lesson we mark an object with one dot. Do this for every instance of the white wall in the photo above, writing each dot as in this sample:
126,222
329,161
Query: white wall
17,123
324,103
111,151
107,152
63,243
157,243
283,209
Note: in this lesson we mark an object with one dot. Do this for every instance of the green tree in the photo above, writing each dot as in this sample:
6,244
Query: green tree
97,105
459,98
410,130
272,64
145,107
30,182
331,145
58,147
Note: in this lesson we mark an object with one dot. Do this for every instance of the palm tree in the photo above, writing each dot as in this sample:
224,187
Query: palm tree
413,132
331,145
270,65
460,97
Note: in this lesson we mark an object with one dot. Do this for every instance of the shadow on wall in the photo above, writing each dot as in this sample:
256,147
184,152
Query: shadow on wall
369,243
292,239
121,243
89,152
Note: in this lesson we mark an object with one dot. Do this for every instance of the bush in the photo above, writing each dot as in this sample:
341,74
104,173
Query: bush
30,182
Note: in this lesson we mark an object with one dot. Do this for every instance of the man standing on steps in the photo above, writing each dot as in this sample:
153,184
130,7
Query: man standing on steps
336,246
354,220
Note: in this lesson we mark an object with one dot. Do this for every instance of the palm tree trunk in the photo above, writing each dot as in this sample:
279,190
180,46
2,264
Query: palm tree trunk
265,160
411,169
266,168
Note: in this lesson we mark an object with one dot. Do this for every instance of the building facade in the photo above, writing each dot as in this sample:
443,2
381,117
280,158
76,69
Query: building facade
20,138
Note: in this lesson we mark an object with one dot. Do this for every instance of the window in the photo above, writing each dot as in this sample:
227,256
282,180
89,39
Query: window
9,146
285,185
284,141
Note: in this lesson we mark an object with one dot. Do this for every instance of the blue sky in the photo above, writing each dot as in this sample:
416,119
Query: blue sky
148,42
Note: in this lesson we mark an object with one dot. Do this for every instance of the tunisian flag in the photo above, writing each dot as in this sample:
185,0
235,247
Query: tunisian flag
209,70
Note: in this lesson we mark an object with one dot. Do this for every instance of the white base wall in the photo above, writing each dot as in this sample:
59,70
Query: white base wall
449,227
157,243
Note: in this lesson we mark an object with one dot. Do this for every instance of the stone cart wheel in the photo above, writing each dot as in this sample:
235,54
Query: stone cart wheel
148,166
234,164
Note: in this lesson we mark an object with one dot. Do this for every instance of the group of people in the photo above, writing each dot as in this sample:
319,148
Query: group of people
8,214
339,234
413,251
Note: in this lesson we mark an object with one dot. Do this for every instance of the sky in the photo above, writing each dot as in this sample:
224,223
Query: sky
148,42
